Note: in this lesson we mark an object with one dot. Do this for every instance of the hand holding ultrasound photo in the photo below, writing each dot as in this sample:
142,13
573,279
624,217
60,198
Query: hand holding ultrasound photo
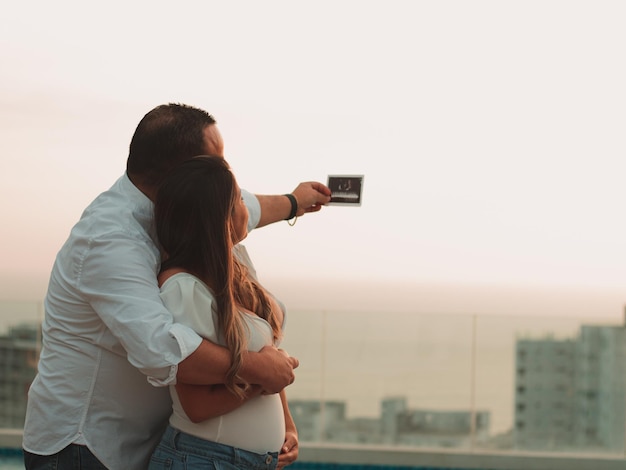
346,190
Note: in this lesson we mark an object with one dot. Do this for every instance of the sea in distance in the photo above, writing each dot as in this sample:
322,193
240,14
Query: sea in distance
435,360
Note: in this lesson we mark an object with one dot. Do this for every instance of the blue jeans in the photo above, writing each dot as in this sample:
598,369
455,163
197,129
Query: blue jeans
73,457
180,451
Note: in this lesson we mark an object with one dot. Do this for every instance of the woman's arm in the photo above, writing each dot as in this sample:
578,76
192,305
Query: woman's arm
289,450
202,402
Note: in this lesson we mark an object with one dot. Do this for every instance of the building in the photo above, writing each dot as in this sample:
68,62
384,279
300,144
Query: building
391,409
570,393
437,428
601,370
315,420
397,424
18,366
544,393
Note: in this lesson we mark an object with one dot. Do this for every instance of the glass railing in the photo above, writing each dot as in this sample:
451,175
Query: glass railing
467,382
451,384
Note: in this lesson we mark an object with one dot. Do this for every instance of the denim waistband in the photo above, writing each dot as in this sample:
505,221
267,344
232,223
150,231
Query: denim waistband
184,442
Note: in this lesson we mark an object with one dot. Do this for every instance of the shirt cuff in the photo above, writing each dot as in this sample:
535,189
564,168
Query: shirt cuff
254,209
188,341
169,380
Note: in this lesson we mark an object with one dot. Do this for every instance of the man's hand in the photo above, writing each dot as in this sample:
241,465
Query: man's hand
274,369
311,196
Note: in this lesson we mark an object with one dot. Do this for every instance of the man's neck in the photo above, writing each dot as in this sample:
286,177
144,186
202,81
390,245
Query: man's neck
147,189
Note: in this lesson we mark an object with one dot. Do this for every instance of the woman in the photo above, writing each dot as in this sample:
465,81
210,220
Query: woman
208,282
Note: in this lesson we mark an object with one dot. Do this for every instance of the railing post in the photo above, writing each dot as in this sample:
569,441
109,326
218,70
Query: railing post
473,387
323,379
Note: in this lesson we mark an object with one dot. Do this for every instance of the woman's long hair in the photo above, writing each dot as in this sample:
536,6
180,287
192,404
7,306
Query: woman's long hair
193,216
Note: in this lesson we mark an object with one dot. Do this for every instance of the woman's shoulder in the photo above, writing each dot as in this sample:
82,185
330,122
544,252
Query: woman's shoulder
176,278
190,302
168,273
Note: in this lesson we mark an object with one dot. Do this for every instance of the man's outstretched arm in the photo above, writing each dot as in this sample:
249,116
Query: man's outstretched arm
309,196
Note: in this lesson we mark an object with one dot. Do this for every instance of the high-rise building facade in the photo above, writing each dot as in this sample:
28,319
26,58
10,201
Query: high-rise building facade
569,393
18,366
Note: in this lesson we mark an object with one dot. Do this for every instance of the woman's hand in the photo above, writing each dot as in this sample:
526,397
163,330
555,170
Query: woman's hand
289,450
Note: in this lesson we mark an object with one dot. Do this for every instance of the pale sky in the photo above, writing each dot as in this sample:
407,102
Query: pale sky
490,133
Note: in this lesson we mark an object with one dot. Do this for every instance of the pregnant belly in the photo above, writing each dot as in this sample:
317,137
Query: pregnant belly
257,426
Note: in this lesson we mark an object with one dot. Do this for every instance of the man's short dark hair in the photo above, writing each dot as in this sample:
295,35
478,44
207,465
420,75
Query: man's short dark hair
165,137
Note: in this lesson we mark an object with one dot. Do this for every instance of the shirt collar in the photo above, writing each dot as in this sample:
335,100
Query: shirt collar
141,205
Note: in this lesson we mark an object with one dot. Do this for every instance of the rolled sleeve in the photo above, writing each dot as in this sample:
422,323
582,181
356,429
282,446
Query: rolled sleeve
254,209
188,341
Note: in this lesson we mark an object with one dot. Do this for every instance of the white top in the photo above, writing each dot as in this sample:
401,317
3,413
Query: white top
259,424
105,331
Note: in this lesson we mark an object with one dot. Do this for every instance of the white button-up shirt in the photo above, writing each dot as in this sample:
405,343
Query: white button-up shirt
106,335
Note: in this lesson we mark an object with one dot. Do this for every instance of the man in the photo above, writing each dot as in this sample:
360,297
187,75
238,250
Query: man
109,345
